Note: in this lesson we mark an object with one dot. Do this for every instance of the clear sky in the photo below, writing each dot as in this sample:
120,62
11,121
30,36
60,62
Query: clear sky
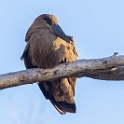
98,30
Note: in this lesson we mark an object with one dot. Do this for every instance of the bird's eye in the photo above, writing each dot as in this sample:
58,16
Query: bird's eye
48,20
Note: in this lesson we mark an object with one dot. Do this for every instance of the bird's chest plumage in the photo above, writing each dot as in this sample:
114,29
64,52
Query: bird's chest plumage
47,50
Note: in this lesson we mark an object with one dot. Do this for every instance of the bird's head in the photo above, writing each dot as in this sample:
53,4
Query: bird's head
47,21
52,21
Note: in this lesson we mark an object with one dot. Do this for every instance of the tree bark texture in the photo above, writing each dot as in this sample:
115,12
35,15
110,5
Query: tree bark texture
110,68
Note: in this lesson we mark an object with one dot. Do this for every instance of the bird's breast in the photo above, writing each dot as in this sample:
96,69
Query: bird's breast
46,49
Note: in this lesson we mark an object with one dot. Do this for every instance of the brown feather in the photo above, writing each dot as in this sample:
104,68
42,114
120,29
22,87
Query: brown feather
45,49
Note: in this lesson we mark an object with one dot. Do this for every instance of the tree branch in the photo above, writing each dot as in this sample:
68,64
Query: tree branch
110,68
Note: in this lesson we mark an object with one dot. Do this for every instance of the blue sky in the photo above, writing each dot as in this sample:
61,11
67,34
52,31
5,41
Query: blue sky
98,30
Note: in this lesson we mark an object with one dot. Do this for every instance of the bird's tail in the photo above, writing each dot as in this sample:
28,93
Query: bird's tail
62,107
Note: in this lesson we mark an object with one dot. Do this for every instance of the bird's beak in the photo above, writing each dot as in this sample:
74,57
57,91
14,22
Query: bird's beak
58,31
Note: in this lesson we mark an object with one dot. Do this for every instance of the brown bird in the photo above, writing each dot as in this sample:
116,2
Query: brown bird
48,46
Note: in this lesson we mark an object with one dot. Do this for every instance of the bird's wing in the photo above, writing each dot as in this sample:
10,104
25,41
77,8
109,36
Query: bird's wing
26,57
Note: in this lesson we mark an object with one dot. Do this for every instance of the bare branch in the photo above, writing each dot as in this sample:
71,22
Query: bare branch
104,69
108,74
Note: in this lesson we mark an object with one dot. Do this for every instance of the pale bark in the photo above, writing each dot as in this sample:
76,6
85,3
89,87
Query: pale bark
110,68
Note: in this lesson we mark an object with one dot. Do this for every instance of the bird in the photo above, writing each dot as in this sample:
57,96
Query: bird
48,46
